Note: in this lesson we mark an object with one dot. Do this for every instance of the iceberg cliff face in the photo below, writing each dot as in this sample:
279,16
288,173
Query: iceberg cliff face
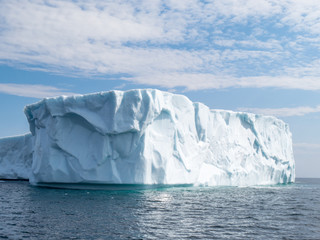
16,157
154,137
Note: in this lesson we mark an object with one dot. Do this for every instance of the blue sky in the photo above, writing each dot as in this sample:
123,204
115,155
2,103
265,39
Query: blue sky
260,56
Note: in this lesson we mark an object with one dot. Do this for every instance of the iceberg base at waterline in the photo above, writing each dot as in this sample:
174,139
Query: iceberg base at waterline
151,137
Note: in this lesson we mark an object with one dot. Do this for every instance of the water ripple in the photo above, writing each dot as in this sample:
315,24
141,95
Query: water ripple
272,212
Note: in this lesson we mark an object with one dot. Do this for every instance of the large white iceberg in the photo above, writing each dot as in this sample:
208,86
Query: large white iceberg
154,137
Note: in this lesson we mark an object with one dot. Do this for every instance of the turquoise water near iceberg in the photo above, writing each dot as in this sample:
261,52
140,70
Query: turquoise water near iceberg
180,212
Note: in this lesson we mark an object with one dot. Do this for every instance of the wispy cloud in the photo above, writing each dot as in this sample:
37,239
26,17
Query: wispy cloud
34,91
313,146
193,44
283,112
305,149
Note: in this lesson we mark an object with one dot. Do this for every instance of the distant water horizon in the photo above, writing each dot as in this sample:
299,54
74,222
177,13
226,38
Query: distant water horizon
288,211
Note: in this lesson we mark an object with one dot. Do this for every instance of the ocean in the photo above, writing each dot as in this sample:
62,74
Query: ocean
178,212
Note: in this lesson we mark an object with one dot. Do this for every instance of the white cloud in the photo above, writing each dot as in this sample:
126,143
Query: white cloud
283,112
193,44
241,10
302,15
304,149
311,68
34,91
307,146
200,81
305,83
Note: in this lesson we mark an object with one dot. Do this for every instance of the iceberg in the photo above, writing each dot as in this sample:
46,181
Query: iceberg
16,157
150,137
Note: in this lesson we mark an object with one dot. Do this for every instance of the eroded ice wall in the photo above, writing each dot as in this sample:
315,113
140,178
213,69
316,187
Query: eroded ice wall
154,137
16,157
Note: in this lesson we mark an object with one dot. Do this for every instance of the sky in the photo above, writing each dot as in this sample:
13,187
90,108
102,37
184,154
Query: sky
260,56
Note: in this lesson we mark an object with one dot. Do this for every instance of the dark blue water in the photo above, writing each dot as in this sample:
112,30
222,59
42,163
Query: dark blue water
272,212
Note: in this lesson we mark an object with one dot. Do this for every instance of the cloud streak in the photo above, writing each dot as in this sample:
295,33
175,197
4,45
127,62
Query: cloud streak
307,146
305,149
283,112
192,44
34,91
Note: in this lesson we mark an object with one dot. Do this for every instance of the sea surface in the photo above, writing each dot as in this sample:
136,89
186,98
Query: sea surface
180,212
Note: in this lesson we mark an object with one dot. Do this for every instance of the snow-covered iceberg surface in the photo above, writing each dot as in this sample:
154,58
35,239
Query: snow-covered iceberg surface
154,137
16,157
